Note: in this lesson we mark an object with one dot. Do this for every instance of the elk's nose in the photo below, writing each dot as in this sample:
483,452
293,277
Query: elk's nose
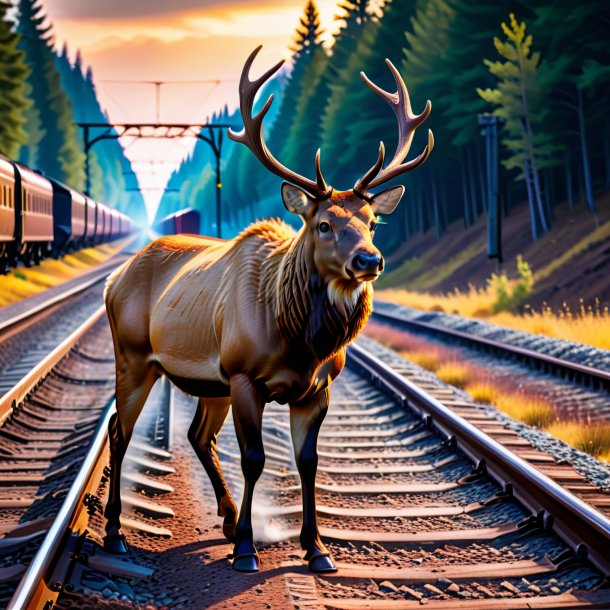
372,263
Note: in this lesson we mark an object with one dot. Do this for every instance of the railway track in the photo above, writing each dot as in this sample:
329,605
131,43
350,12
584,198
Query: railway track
417,505
56,374
591,375
66,551
35,329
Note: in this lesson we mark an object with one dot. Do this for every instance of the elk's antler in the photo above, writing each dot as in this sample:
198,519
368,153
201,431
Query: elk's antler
252,133
407,124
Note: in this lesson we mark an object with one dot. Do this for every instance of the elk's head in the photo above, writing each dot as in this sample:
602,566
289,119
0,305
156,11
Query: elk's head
340,224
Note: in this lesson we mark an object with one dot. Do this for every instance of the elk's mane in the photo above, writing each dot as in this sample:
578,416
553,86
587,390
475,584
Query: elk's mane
310,314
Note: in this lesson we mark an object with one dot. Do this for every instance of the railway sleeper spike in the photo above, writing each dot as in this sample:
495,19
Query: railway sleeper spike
480,470
500,496
450,443
533,523
569,558
546,519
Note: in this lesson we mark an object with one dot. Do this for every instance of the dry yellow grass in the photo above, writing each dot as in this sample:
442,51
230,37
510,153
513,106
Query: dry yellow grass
24,282
453,373
426,360
470,303
482,392
530,410
590,325
591,438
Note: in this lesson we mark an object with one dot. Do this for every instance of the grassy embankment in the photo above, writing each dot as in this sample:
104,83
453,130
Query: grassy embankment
501,297
24,282
519,403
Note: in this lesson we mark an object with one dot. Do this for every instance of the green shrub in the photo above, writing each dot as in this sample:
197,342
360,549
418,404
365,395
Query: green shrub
511,294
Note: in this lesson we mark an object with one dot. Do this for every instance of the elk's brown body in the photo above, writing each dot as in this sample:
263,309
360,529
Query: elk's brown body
263,317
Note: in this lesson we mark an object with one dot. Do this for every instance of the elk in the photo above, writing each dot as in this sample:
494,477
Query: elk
263,317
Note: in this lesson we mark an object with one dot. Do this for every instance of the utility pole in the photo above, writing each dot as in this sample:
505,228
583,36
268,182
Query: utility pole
494,217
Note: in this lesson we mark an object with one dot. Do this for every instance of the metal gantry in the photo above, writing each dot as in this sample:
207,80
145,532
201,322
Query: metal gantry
212,134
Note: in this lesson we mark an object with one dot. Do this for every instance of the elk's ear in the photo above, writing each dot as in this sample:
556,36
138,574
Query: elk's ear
386,201
295,200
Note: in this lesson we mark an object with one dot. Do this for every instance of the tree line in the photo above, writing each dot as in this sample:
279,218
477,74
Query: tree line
43,97
542,67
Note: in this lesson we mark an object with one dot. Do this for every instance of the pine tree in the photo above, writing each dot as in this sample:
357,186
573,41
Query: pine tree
14,102
355,119
577,36
58,152
306,43
307,130
424,57
308,32
111,173
518,99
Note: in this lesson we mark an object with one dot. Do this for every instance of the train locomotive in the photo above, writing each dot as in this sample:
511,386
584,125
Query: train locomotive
186,221
42,217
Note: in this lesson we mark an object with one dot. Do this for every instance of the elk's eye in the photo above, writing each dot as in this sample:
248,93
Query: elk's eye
373,226
324,227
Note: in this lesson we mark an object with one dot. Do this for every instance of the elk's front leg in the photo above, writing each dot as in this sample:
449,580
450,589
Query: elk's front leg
305,422
248,418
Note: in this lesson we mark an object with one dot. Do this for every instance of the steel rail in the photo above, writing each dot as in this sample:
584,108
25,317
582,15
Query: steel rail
586,530
565,367
46,576
22,388
98,275
39,585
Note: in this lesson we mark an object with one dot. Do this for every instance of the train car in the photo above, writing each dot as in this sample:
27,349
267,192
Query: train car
39,216
90,221
185,221
100,226
69,218
33,214
115,231
7,215
126,225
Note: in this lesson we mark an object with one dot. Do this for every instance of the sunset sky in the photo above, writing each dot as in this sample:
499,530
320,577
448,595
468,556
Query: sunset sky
194,40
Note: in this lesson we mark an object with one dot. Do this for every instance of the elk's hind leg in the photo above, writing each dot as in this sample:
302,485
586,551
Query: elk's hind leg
248,418
132,388
305,422
209,417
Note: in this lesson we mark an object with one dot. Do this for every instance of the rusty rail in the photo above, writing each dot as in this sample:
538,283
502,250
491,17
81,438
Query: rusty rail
19,391
566,368
585,530
43,581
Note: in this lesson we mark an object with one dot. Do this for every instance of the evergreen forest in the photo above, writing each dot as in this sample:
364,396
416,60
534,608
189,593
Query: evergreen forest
43,97
541,66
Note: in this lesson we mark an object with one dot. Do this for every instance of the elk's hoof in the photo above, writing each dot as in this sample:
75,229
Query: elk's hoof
246,563
115,544
320,563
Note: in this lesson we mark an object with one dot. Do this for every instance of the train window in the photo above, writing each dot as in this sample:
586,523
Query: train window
3,197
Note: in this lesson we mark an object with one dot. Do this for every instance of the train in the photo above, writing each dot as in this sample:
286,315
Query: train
41,217
185,221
